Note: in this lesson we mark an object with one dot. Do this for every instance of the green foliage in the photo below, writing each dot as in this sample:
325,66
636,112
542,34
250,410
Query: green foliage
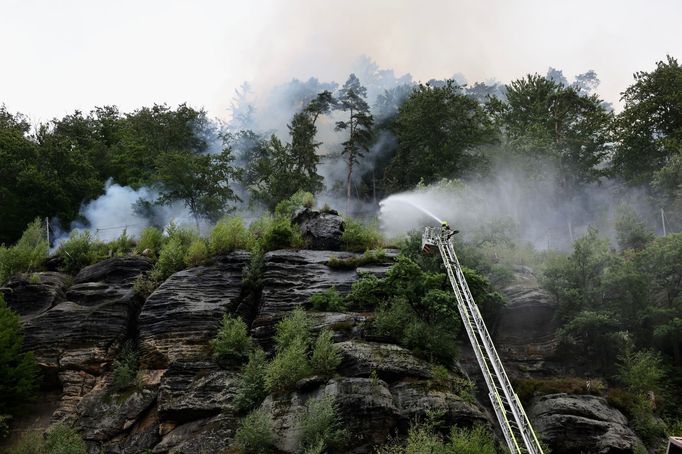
173,252
292,342
197,253
367,292
232,339
548,122
631,232
319,426
328,300
288,367
18,370
438,129
255,434
125,367
592,336
252,390
151,238
442,379
228,235
295,326
63,439
370,257
4,426
359,237
79,251
300,199
326,356
27,255
648,129
201,181
275,233
30,443
422,439
121,245
641,372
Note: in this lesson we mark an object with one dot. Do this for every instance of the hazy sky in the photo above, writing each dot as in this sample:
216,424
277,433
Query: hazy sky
61,55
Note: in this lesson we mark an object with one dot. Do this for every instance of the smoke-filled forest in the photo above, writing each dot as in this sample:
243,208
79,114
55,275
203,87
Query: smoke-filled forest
539,174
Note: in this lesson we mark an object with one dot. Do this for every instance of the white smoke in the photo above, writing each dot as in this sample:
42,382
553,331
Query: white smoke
109,215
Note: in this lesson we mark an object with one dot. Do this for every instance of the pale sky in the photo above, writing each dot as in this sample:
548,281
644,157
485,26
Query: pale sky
61,55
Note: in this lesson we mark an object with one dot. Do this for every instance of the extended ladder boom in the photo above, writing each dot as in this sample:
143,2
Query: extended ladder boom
516,427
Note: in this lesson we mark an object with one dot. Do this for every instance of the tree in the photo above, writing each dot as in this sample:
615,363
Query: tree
201,181
649,129
438,129
18,370
351,99
276,170
548,122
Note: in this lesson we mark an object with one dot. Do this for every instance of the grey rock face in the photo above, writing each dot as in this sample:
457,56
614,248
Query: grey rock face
391,362
321,231
183,314
572,423
291,278
85,331
191,391
33,294
415,399
525,332
364,405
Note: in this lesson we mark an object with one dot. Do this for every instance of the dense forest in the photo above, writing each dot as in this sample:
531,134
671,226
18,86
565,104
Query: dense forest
619,291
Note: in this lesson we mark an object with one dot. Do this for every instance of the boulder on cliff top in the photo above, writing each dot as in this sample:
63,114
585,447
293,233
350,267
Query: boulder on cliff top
320,230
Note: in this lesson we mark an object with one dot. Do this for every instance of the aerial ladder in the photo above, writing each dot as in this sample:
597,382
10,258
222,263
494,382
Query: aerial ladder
516,428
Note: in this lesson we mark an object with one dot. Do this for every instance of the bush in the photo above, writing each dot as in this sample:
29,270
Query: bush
294,327
328,300
255,434
275,233
151,238
79,251
145,284
27,255
320,428
326,356
29,443
358,237
288,367
18,370
121,245
251,389
125,367
370,257
422,439
232,339
287,207
367,292
63,439
476,440
228,235
197,253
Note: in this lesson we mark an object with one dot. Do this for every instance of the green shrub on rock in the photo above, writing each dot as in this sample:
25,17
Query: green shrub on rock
358,237
197,253
63,439
288,367
229,234
18,369
328,300
326,356
232,339
151,239
294,327
255,434
79,251
251,388
125,367
319,427
27,255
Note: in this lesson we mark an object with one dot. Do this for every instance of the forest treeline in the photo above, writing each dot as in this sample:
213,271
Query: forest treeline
410,134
